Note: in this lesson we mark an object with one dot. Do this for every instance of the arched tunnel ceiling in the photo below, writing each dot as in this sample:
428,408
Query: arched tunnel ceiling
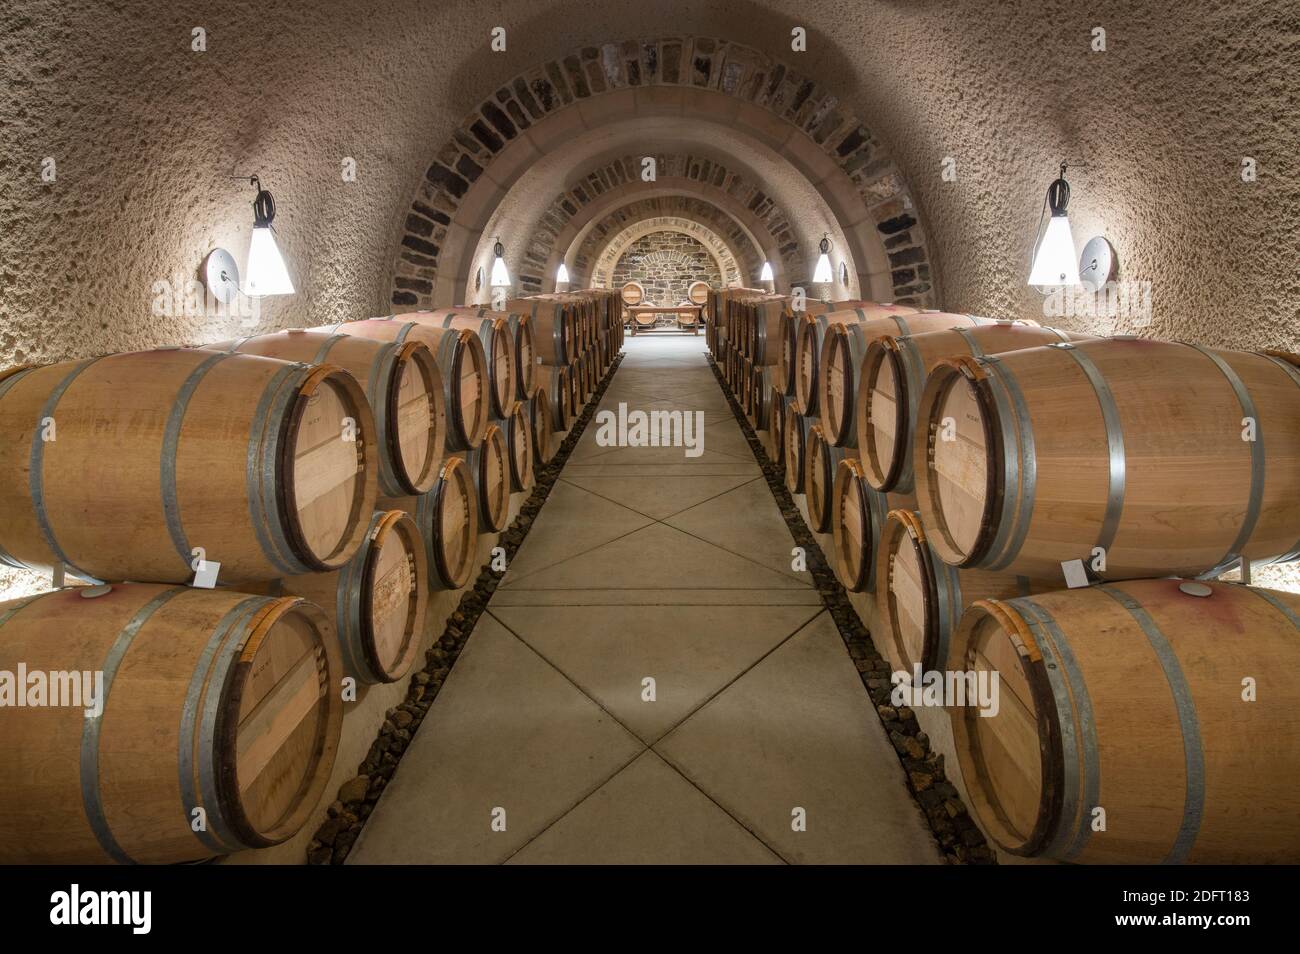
604,245
701,94
145,132
617,246
537,266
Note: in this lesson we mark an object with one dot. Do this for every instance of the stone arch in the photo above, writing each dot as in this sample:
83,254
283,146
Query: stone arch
736,85
613,251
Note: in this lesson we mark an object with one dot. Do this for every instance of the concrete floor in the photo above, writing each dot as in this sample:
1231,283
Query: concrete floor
646,564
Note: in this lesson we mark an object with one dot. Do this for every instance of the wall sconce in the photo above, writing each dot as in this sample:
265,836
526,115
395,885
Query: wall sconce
766,274
266,271
1055,261
562,275
500,274
822,273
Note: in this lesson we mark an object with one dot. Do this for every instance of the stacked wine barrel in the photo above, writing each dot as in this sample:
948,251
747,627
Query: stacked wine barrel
1051,510
282,505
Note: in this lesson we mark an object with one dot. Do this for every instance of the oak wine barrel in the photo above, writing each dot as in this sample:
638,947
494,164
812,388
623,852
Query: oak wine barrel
633,293
810,336
761,391
821,461
552,329
556,385
857,518
490,469
698,292
1137,451
122,467
467,389
541,421
793,318
221,707
497,338
518,433
447,518
921,598
893,373
1127,704
795,431
776,425
402,384
844,347
377,601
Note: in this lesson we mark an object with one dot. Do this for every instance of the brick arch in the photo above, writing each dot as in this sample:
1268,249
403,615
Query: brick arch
616,247
626,170
884,229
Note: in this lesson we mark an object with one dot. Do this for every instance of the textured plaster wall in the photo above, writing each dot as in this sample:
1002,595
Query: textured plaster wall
142,131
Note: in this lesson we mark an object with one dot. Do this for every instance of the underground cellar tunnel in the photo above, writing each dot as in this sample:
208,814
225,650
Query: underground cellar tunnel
728,433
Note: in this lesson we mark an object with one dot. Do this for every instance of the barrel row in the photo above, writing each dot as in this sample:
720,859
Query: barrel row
338,475
952,459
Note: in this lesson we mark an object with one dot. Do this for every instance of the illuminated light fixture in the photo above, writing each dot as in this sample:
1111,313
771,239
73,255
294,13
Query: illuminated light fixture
562,275
500,274
265,273
1055,260
822,273
766,274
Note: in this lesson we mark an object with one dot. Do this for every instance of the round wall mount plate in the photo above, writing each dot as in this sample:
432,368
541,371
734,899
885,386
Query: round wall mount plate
1096,264
221,275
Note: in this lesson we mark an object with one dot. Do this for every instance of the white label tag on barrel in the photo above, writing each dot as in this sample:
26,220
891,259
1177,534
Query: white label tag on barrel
1075,575
205,577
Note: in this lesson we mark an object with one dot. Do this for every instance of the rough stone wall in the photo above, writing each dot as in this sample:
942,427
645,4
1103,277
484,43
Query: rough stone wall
666,263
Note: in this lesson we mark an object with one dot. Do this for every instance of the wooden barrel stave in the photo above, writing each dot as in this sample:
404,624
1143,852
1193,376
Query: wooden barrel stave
377,601
490,470
1140,683
447,518
1131,449
467,389
893,372
262,465
217,701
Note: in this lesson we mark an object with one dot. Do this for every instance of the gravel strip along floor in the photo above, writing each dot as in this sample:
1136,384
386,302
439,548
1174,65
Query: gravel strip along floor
959,837
357,796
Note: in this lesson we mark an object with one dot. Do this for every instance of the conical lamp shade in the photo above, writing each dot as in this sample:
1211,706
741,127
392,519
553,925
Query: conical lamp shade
1056,262
822,273
766,274
563,274
500,275
266,273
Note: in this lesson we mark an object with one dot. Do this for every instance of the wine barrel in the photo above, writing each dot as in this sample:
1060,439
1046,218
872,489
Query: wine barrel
497,338
698,292
921,598
447,517
633,293
467,391
821,461
788,333
489,467
221,706
795,431
766,316
552,329
521,340
761,397
122,467
810,335
839,366
857,517
402,383
541,421
557,393
518,433
1128,699
893,373
377,601
776,424
1131,449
